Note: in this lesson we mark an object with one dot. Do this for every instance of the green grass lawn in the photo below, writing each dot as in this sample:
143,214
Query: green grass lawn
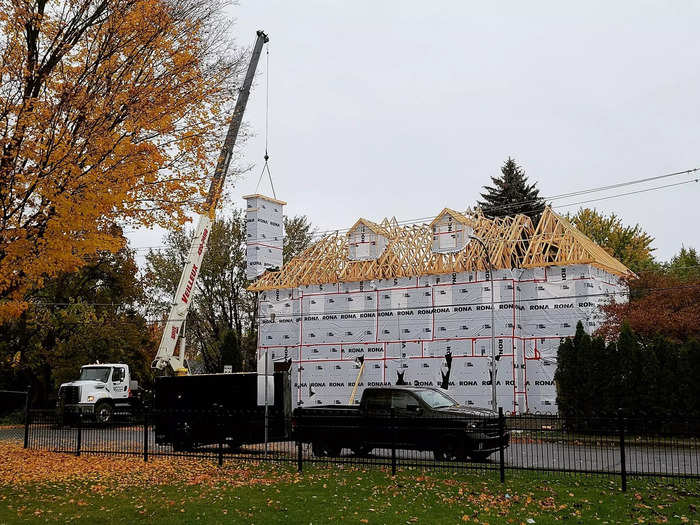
337,494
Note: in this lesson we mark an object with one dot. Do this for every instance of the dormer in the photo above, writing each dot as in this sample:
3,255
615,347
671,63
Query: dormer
451,231
366,241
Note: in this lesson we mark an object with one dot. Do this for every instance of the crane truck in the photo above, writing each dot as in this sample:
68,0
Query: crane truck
103,390
166,358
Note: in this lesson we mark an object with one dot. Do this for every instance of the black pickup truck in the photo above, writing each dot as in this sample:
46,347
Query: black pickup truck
405,417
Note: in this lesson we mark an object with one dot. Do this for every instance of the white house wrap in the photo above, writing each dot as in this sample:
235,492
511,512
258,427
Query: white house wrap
434,327
264,234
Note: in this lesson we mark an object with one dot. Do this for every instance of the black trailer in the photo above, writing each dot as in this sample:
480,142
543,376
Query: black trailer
206,409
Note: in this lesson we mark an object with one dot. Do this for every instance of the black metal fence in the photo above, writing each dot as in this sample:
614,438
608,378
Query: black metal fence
618,446
14,407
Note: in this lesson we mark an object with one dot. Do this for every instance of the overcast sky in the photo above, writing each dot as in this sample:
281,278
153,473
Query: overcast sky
403,108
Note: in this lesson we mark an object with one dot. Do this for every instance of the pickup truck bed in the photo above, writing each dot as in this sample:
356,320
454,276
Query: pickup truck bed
403,417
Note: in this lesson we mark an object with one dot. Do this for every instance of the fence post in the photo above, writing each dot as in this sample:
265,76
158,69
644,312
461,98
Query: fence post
300,456
27,401
623,456
145,434
393,444
220,426
501,444
80,435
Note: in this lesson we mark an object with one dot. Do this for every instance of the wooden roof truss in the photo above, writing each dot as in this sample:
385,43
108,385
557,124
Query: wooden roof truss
512,242
557,242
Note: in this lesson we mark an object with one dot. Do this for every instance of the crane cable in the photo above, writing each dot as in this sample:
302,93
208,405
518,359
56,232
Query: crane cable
266,166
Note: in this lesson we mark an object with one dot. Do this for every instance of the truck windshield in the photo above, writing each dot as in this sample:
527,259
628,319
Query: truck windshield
95,374
436,399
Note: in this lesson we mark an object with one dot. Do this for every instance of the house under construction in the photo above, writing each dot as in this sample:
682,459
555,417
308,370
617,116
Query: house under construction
413,303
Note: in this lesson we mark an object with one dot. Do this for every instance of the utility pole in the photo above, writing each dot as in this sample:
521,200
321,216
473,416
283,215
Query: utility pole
494,404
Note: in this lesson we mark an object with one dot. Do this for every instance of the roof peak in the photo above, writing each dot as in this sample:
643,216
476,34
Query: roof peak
512,242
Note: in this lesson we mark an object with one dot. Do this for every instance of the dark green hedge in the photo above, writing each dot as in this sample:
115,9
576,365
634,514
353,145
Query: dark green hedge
646,378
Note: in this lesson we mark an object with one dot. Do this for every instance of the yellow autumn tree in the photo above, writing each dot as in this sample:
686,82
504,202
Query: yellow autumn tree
110,116
630,245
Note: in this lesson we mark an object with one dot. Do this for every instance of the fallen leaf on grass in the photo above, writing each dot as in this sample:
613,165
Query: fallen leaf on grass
21,466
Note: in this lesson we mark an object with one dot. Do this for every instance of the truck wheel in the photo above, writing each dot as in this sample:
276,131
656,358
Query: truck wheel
323,449
449,450
318,449
103,412
183,445
478,455
362,449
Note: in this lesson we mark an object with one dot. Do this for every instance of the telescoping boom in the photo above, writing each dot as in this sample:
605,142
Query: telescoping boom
166,356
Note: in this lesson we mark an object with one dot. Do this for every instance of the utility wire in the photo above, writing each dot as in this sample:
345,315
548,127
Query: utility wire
419,220
318,234
594,190
629,193
556,197
423,220
407,321
418,288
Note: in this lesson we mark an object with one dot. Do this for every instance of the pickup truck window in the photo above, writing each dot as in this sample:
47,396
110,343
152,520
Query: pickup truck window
435,399
95,373
401,400
378,401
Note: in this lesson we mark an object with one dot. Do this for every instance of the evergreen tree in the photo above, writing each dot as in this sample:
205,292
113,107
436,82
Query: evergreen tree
648,378
567,375
608,377
687,385
230,351
685,265
511,194
566,394
594,369
628,355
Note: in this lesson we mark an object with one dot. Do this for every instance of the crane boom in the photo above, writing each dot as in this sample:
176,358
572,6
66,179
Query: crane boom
166,357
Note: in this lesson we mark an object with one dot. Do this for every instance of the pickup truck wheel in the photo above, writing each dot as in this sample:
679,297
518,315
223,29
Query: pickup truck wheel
234,446
318,449
362,450
183,445
478,455
322,449
103,412
449,450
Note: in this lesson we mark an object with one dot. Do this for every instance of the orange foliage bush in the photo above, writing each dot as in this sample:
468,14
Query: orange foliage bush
660,304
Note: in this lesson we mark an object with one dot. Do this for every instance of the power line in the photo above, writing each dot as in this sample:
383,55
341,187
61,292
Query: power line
419,288
487,303
600,188
553,198
557,197
319,234
628,193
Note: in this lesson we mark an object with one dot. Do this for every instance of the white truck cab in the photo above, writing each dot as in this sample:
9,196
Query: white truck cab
101,391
